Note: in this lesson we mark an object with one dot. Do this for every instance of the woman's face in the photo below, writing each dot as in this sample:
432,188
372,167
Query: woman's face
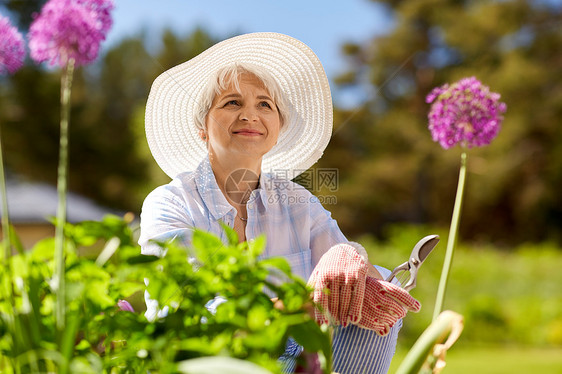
243,123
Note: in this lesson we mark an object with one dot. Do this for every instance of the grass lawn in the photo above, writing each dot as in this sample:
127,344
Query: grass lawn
497,360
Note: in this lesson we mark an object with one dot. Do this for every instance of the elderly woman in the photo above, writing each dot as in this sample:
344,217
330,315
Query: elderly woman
231,127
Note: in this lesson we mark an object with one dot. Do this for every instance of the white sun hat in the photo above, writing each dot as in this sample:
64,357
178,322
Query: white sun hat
174,98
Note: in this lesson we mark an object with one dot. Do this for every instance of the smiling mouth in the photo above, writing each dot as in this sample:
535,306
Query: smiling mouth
247,132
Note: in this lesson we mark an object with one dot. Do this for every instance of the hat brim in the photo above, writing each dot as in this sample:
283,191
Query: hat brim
171,132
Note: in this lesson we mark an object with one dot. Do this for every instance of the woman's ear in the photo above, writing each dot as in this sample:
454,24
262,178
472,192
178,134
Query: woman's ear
203,135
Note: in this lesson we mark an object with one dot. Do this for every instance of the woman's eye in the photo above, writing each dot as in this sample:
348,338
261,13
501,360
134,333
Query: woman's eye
265,104
232,102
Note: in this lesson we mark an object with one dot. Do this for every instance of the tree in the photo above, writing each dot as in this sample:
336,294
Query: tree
398,174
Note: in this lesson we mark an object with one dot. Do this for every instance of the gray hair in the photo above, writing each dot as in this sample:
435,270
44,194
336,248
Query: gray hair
230,74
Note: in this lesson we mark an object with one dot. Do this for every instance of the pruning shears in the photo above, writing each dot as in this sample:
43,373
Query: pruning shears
408,271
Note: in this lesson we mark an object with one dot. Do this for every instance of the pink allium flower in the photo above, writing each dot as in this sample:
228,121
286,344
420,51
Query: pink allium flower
465,112
12,48
125,306
68,29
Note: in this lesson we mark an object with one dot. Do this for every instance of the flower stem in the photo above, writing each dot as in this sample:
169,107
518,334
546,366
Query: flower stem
451,240
66,84
5,216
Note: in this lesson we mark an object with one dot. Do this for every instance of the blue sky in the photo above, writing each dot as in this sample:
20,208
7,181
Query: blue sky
323,25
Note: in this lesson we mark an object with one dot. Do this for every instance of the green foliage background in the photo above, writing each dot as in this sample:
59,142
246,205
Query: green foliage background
394,172
506,297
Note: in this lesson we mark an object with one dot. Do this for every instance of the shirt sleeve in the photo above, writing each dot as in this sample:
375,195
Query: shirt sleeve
164,217
324,231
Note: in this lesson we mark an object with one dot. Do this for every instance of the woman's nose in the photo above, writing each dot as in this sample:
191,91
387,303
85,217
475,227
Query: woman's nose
248,114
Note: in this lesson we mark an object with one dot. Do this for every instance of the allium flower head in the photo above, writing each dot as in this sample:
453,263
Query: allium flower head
464,113
12,48
68,29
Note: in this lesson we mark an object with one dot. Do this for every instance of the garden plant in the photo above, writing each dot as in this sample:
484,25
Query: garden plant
104,334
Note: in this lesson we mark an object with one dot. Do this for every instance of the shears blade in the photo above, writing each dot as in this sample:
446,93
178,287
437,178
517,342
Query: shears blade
421,250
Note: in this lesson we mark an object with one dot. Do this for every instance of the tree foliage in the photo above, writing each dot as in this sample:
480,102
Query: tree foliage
393,170
110,161
22,10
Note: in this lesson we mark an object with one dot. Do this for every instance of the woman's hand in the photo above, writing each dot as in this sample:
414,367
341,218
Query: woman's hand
346,294
339,285
384,304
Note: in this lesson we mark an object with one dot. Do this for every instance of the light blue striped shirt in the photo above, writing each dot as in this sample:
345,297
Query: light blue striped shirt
296,226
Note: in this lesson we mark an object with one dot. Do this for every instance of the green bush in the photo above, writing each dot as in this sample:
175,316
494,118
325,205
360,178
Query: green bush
99,337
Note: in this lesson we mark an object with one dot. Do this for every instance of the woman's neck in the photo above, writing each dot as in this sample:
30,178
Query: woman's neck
236,178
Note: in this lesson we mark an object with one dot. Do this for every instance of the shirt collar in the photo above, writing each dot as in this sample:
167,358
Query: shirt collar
266,189
209,190
213,198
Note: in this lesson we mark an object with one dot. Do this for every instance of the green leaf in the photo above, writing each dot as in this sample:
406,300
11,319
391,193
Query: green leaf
231,235
43,250
31,358
206,245
97,293
295,302
311,337
15,240
126,289
200,345
257,317
268,340
19,266
86,271
35,312
83,366
257,245
74,290
84,344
